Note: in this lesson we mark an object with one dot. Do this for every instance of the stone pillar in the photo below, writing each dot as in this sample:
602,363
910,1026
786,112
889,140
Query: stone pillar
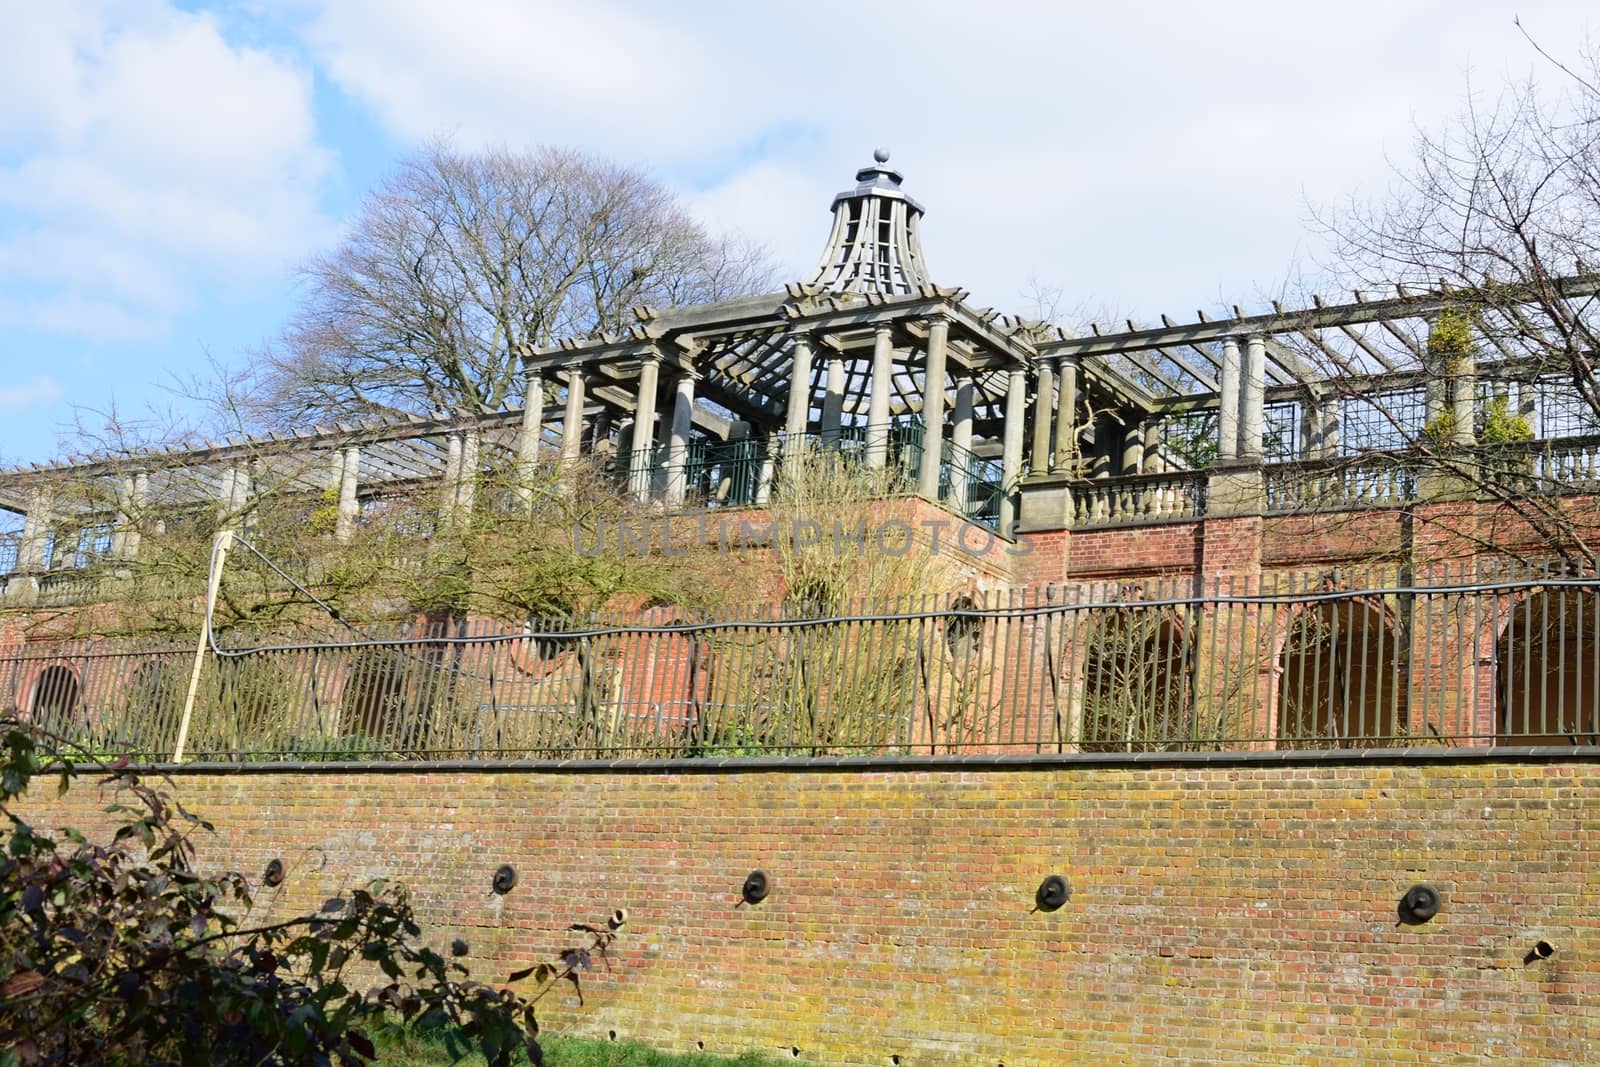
1463,396
1252,397
833,401
1331,410
1132,448
678,441
1154,437
1310,428
961,475
1067,414
1228,401
467,480
794,426
141,497
878,406
32,548
1011,456
641,457
799,411
349,508
766,472
132,492
449,491
528,436
933,410
1100,448
232,493
572,420
1044,404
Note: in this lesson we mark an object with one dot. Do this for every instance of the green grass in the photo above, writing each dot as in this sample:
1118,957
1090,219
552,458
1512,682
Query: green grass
571,1052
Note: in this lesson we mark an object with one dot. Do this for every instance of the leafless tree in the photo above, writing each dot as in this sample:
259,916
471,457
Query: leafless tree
1498,214
1498,209
458,260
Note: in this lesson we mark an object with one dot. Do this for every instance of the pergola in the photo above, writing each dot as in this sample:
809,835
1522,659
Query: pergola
868,357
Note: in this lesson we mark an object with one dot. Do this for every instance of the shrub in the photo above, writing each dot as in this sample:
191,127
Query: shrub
123,954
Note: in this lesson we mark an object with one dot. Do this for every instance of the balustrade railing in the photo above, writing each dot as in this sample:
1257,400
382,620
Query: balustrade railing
1337,485
1138,498
1571,465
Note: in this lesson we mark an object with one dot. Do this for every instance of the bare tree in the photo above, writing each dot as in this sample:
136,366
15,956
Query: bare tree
1495,222
1501,210
458,260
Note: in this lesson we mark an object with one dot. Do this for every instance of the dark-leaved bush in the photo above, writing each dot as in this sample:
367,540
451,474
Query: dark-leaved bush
127,953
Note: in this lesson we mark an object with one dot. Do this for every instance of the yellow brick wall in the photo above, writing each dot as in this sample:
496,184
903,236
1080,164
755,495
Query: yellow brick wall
1219,914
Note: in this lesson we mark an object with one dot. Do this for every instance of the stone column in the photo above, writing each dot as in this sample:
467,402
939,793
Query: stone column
141,497
450,490
1228,401
1463,395
132,491
678,441
1044,403
31,549
1132,448
1310,428
1011,456
1154,437
572,420
878,406
794,426
467,477
349,508
528,436
232,493
641,457
767,470
1100,446
1067,414
799,411
1331,409
961,476
833,401
933,410
1252,397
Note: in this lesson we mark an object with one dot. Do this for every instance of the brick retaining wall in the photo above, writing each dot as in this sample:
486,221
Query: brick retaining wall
1240,912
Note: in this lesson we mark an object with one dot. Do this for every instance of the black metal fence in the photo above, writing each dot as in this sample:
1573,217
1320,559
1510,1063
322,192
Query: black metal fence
1328,660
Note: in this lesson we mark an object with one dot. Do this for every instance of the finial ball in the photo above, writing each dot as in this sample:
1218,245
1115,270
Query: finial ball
881,155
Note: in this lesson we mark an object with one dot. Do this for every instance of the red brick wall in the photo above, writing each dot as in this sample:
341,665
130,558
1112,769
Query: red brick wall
1306,540
1220,914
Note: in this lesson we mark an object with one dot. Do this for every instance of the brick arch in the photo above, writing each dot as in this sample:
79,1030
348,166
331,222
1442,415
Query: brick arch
1547,668
56,698
1137,680
1338,674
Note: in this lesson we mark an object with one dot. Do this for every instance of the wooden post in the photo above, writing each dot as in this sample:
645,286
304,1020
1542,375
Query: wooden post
219,556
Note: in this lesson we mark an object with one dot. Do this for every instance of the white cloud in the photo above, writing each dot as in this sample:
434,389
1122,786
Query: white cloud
1156,156
151,155
40,392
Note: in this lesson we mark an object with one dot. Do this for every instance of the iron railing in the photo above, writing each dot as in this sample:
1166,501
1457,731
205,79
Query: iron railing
1326,660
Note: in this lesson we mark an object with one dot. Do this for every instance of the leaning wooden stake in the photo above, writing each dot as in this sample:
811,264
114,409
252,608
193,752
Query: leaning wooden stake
219,553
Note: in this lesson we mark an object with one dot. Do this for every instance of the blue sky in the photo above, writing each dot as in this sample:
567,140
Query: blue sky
164,166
